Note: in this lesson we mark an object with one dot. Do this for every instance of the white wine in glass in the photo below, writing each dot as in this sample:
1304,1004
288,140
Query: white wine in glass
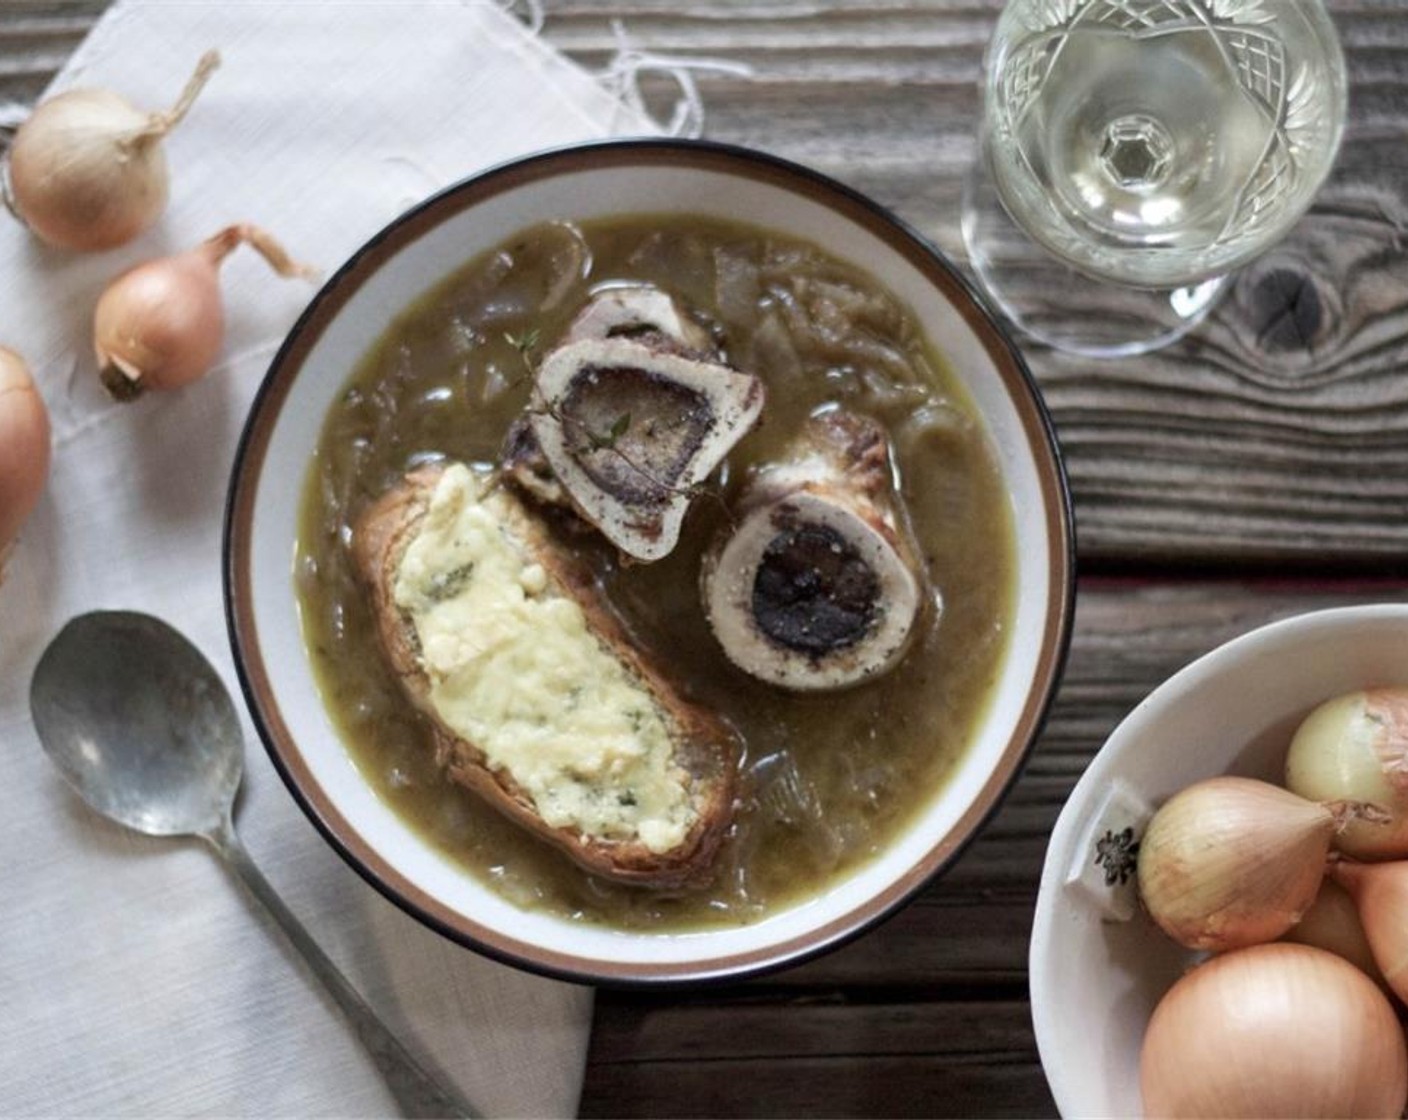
1156,144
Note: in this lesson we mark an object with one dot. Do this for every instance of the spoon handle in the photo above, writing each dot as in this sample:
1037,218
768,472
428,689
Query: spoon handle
416,1091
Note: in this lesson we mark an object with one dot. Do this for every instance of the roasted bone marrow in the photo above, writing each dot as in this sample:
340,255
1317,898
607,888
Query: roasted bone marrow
630,430
536,698
817,584
638,311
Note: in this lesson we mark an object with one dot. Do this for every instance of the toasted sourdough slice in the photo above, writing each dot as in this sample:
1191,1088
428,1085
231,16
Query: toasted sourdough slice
612,765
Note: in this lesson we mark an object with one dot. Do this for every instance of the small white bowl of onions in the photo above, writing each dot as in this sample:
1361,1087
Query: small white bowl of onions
1222,923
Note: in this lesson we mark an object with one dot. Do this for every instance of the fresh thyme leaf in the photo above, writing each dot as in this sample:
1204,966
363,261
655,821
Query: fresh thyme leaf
607,442
524,342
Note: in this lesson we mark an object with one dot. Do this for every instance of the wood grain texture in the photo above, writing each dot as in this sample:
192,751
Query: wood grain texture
801,1057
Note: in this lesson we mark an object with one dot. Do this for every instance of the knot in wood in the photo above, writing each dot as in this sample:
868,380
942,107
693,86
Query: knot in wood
1285,310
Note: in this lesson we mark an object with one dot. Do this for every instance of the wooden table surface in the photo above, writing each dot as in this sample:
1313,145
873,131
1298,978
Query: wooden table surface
1250,473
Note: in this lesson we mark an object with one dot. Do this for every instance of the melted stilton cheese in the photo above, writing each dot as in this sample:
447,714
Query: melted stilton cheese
515,669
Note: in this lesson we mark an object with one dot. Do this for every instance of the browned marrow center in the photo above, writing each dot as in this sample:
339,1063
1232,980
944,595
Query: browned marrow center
640,312
632,431
814,592
630,413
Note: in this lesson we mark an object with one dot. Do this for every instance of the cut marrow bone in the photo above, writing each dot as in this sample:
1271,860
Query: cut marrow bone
639,311
629,430
817,586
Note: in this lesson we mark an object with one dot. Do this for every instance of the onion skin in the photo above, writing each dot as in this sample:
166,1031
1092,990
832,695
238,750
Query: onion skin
87,170
1230,862
24,448
160,325
1274,1031
1355,747
1332,923
1380,890
68,182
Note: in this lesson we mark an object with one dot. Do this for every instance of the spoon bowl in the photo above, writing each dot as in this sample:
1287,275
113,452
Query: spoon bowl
139,723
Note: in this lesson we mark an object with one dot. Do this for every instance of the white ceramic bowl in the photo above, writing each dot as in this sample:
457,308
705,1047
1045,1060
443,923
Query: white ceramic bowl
412,255
1096,978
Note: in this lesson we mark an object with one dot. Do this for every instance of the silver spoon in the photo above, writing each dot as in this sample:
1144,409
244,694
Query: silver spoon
140,724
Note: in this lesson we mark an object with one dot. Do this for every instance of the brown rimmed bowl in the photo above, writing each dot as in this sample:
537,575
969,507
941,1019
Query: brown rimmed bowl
413,254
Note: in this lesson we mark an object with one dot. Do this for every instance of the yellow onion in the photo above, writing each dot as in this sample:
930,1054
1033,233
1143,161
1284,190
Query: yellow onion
1230,862
1380,891
160,325
87,170
1355,747
24,448
1278,1031
1332,923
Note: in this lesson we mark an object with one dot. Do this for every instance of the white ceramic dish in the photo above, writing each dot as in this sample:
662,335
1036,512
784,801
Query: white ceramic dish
1095,976
412,255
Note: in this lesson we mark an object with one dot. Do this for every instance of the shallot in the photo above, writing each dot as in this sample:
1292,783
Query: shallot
24,448
1380,890
1274,1030
1229,862
1332,923
1355,747
160,325
87,169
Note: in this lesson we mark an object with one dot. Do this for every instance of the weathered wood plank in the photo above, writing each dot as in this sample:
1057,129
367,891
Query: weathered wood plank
887,1060
871,1086
662,1030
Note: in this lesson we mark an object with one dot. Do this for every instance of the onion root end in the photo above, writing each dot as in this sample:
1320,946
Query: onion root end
121,385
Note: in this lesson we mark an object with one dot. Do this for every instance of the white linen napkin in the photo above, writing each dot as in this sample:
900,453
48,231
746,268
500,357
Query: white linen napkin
135,978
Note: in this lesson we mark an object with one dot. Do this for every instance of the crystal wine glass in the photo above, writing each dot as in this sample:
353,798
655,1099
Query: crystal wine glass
1150,147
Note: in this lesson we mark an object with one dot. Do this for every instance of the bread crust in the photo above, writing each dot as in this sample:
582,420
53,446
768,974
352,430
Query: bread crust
706,747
